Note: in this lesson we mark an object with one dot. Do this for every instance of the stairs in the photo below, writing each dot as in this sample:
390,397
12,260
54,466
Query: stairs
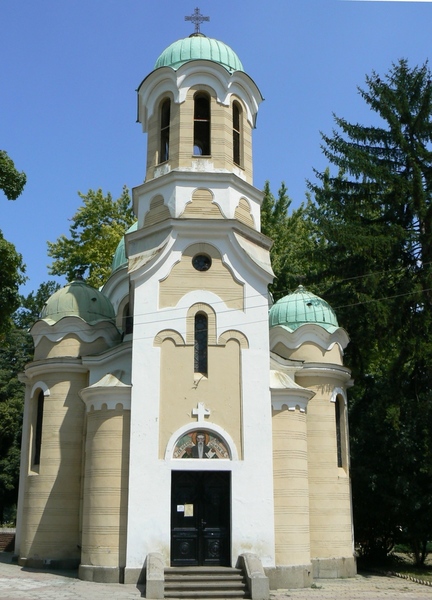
205,582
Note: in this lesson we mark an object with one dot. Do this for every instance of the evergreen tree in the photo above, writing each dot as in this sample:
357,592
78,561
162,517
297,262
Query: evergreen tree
373,221
97,228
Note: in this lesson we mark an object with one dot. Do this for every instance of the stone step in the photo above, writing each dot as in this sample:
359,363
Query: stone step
208,583
215,594
201,570
204,582
192,576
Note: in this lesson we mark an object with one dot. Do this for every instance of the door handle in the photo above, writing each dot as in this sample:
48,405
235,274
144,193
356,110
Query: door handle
203,523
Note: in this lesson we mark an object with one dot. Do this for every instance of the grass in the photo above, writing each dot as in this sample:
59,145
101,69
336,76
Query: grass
401,562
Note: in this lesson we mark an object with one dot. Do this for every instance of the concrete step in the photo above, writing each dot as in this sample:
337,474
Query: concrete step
204,582
209,584
215,595
192,577
201,570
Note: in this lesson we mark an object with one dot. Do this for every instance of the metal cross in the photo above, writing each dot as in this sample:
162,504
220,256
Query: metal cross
197,18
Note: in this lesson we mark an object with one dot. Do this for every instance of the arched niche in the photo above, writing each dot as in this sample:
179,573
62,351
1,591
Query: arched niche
184,444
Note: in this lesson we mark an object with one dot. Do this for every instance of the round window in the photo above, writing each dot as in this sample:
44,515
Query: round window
201,262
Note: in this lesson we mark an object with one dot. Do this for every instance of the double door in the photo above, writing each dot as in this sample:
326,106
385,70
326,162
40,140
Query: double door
200,518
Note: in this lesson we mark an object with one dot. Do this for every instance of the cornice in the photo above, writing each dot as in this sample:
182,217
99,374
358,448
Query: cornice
54,365
326,371
286,392
73,325
198,179
310,332
106,397
184,233
107,355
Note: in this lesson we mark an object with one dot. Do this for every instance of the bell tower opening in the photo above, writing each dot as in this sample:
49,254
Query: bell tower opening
236,114
165,115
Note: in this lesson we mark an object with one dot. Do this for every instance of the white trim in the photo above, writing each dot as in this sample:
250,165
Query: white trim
125,348
326,370
204,426
86,332
183,235
293,400
54,365
41,386
107,394
310,332
339,392
203,73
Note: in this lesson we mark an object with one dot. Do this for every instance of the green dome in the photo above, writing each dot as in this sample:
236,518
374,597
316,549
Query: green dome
199,47
120,259
78,299
302,307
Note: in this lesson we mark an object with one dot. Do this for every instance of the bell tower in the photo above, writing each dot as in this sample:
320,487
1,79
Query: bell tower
199,270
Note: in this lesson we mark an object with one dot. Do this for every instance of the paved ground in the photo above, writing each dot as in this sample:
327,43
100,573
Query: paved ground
17,583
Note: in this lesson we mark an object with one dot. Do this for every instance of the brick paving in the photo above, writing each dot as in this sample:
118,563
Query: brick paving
17,583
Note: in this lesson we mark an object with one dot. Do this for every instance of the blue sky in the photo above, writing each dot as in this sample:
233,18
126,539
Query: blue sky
70,68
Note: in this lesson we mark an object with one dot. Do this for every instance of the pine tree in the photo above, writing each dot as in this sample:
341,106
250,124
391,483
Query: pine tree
373,222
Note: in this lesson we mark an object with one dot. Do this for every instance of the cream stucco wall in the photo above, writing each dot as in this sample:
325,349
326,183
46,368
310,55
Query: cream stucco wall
182,389
291,487
104,515
183,278
329,485
50,528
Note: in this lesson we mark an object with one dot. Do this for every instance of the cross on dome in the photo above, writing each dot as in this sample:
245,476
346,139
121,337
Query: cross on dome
197,18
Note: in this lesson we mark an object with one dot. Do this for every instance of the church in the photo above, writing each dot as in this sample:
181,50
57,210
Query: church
177,418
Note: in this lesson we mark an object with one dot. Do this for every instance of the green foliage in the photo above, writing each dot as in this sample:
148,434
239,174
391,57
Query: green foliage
373,226
97,228
16,351
32,305
12,182
11,277
291,240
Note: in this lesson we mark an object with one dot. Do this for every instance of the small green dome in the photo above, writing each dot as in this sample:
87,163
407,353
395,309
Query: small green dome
120,259
199,47
302,307
78,299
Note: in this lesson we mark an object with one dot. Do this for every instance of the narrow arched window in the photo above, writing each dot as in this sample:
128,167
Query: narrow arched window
338,433
201,144
165,114
127,320
236,114
38,429
201,343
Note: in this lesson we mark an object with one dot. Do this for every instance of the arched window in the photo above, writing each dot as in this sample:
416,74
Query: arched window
201,343
201,144
38,429
127,320
236,114
165,113
338,416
